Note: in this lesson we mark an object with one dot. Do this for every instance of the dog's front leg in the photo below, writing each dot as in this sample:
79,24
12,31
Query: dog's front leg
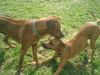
34,52
61,66
22,53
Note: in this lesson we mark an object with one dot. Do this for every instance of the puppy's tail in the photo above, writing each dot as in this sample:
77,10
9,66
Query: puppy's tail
96,19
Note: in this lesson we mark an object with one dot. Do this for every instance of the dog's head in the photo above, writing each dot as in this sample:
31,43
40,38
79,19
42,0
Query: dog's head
53,27
56,45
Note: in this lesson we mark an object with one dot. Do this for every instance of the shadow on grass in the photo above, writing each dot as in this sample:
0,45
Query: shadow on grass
2,53
33,72
70,69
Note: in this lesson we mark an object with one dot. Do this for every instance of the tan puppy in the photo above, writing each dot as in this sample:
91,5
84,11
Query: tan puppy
28,33
68,49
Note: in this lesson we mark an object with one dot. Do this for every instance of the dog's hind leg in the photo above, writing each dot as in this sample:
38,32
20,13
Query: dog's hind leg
92,44
22,53
7,42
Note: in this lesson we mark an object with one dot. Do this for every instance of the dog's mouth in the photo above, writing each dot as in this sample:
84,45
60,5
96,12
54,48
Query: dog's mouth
47,47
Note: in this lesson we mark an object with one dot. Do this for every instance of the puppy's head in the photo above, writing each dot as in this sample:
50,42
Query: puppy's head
56,45
54,28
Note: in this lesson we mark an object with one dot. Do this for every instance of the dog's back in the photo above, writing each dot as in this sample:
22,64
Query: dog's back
86,32
88,29
13,21
11,27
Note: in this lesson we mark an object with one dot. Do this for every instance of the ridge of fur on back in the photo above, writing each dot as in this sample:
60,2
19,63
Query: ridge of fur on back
14,21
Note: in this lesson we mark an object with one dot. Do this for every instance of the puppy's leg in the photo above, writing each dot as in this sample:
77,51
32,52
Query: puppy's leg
61,66
92,44
22,53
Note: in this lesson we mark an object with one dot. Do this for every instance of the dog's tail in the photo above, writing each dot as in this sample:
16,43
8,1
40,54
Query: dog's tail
98,21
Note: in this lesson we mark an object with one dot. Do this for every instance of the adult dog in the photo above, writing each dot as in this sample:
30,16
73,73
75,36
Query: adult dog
68,49
28,33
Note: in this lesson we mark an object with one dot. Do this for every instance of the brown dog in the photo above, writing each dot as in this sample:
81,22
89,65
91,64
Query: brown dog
68,49
28,33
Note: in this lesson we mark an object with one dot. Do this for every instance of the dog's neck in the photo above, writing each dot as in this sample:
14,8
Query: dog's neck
62,53
39,29
64,49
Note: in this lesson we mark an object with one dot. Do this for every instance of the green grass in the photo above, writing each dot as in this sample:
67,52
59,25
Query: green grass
72,14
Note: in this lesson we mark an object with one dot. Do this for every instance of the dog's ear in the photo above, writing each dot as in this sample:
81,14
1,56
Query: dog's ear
51,24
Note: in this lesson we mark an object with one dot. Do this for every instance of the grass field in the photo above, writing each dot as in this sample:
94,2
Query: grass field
72,14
